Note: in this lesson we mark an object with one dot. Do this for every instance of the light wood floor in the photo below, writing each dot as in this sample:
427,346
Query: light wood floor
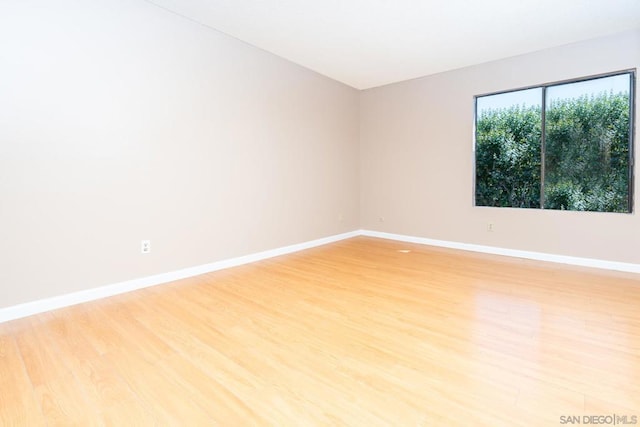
355,333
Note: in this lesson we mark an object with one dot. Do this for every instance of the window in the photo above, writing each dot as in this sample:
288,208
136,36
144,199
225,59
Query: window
558,146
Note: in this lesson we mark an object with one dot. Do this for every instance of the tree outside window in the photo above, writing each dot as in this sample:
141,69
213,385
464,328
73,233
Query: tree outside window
562,146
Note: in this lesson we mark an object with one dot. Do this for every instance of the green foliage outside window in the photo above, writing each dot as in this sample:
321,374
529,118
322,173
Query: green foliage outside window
508,158
586,163
587,154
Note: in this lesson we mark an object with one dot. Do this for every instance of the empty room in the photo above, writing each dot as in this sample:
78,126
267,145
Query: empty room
305,213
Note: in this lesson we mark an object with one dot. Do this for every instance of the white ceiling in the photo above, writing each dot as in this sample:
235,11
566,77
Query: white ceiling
368,43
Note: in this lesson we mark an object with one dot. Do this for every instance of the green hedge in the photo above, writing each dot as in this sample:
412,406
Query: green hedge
586,161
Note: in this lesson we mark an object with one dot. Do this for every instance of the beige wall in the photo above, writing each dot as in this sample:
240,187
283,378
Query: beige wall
120,121
417,158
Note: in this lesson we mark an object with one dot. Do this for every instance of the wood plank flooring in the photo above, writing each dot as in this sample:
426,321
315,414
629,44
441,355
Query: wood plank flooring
356,333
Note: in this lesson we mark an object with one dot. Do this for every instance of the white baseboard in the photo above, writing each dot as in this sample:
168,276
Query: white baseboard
540,256
48,304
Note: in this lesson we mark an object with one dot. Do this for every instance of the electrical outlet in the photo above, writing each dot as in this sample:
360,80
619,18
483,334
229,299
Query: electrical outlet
145,246
340,217
490,226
